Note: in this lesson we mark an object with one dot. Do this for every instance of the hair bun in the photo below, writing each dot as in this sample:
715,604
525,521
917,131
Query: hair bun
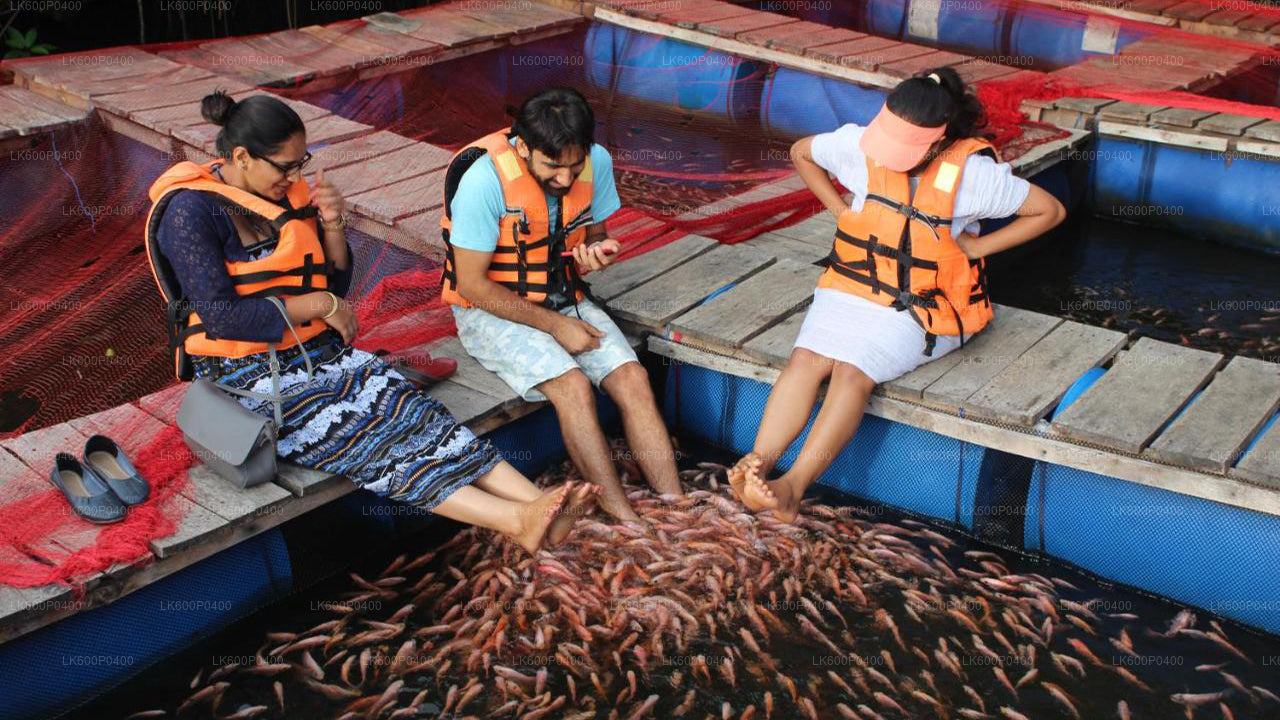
217,107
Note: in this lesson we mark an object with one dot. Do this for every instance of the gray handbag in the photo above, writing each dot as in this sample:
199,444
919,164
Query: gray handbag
235,442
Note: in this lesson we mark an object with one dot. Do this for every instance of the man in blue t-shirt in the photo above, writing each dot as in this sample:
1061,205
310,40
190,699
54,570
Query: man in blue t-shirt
521,315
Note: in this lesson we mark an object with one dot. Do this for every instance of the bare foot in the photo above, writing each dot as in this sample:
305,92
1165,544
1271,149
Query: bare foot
788,497
617,505
756,494
536,516
580,503
738,474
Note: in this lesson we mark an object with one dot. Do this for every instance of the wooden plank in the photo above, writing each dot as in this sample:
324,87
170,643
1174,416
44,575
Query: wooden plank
819,230
1211,433
466,404
736,26
785,247
1224,490
366,147
838,51
964,371
1261,464
1191,11
129,426
37,448
752,306
128,103
34,100
1269,130
691,16
303,481
1083,104
198,526
1229,124
773,346
470,372
1144,387
306,50
334,128
383,170
1180,117
449,26
907,67
656,302
402,199
164,404
1129,111
234,505
245,60
634,271
1031,385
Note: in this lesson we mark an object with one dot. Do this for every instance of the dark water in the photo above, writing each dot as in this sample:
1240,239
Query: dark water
1164,664
1155,282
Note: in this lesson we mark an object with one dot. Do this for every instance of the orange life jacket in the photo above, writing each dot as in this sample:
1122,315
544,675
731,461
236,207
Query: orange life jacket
528,254
296,266
914,265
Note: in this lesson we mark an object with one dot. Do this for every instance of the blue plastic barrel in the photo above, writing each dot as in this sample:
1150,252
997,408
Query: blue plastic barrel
1028,35
886,462
799,103
661,70
49,671
1208,195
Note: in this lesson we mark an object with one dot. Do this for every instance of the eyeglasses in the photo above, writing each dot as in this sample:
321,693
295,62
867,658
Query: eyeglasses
287,169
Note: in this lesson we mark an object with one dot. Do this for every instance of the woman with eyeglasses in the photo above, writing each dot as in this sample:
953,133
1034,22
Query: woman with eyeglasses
226,235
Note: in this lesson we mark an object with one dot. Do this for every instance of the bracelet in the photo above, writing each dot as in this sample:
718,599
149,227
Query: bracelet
341,222
335,306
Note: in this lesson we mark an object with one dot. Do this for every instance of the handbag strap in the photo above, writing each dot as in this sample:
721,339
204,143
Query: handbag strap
275,396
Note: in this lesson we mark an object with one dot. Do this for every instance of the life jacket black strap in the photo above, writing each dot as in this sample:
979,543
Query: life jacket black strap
883,250
300,213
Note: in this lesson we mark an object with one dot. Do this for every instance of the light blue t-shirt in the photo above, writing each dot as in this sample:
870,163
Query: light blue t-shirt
478,204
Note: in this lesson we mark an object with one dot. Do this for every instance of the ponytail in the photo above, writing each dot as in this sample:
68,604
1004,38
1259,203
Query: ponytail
939,97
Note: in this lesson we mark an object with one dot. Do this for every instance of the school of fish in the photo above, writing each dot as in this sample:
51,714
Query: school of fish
709,613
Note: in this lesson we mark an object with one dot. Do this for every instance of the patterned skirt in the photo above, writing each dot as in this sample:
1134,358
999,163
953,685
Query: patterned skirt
362,419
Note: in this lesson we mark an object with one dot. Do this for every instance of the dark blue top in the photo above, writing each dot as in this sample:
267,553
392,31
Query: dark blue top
198,237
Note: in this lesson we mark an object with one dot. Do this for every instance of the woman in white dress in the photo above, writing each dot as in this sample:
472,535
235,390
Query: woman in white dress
906,283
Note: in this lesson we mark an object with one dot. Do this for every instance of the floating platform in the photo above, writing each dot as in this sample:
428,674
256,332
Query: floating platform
1152,417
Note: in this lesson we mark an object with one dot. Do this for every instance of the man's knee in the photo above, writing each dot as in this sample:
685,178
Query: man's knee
629,380
570,390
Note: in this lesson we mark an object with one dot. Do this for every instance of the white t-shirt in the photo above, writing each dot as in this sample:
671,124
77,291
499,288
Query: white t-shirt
988,189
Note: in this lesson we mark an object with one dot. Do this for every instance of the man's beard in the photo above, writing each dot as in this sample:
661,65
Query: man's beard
552,191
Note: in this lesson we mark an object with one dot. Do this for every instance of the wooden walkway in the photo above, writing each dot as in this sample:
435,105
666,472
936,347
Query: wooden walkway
1163,415
1237,20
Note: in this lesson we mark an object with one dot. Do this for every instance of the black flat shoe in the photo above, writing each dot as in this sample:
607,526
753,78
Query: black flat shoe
110,463
88,495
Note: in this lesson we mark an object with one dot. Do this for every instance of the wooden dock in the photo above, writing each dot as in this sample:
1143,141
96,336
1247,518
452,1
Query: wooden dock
392,185
1163,415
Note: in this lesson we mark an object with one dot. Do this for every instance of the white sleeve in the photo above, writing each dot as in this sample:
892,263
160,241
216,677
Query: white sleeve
989,189
837,152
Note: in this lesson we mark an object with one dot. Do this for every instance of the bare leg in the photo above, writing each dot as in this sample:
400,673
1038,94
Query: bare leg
835,425
525,522
507,482
785,414
573,398
646,431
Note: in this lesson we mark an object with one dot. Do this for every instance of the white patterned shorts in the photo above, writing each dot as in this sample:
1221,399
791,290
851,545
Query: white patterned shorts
525,357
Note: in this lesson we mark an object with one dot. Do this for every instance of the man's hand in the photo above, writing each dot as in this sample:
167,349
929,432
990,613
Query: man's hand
596,255
576,336
327,198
